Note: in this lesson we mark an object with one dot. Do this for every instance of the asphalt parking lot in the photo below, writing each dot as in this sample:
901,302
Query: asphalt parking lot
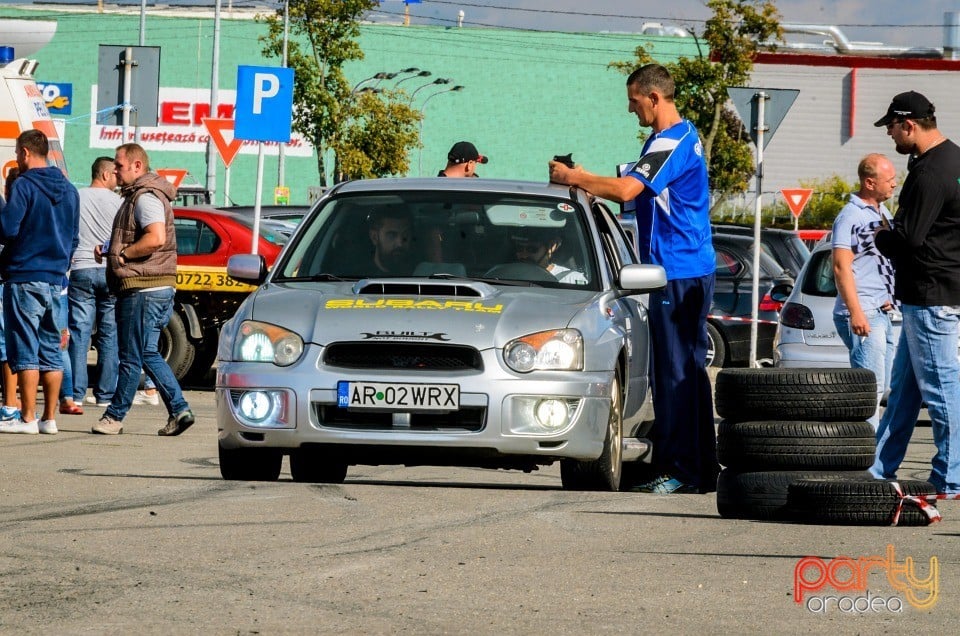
111,535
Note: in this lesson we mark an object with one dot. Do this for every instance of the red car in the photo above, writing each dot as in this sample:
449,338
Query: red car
206,296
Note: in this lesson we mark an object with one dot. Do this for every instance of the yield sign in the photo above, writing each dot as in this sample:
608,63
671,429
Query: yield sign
796,199
173,175
219,130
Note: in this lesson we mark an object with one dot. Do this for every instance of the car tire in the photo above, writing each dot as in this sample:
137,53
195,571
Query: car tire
175,347
716,347
795,445
315,467
763,495
856,503
796,394
250,464
205,353
603,473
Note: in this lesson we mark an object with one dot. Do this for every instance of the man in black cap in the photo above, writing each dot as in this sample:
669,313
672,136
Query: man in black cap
924,245
462,160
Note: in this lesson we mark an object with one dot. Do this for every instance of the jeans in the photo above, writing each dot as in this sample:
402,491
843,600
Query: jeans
91,302
875,352
925,369
30,319
66,385
141,316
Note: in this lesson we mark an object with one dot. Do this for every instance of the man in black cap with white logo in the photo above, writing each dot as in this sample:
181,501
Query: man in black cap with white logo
924,245
462,161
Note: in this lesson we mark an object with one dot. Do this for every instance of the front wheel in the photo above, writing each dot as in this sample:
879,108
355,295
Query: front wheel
603,473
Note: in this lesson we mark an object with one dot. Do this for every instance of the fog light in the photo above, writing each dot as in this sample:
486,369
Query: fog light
263,408
552,414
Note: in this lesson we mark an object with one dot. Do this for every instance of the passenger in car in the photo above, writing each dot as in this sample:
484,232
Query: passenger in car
538,246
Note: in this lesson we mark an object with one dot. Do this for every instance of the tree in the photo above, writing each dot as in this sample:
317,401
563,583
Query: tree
733,35
369,134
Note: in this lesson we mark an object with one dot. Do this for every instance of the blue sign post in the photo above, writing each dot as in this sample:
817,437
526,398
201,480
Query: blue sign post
264,112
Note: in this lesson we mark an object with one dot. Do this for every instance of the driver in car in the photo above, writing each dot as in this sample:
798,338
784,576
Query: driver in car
390,232
537,246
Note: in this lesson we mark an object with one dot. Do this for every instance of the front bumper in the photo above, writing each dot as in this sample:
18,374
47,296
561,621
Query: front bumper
492,422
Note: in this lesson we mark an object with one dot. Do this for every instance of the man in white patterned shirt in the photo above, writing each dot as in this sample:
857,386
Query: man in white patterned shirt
864,308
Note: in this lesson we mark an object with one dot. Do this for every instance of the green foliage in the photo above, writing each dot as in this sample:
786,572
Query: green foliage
829,196
369,135
731,35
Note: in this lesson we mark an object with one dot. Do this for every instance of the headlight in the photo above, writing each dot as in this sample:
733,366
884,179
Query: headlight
558,349
262,342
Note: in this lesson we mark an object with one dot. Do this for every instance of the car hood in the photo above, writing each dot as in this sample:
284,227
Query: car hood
470,312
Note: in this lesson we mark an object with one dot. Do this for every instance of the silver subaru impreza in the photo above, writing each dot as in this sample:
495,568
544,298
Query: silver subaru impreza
458,322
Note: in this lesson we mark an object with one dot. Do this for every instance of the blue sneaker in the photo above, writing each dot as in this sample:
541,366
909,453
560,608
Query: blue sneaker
667,485
8,413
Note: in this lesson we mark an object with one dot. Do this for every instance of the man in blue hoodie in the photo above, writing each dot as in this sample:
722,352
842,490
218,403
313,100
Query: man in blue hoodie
39,229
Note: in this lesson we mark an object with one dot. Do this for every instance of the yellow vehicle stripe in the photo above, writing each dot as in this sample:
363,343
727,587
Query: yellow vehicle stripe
195,278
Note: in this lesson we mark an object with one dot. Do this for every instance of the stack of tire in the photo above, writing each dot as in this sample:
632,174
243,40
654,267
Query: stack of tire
795,446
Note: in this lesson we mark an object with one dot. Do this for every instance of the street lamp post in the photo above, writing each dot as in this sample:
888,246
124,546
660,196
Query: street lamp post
419,74
452,89
439,80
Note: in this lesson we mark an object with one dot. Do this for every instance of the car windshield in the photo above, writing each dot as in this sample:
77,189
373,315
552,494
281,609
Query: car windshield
505,239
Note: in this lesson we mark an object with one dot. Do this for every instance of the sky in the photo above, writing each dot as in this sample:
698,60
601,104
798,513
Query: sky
902,23
917,23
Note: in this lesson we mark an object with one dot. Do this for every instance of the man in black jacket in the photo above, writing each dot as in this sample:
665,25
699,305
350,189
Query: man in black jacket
924,244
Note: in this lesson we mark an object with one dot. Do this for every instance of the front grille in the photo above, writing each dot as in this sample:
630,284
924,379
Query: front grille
467,419
402,356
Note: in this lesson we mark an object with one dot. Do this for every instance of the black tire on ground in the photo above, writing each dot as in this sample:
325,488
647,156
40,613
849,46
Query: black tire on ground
796,394
855,503
603,473
763,495
793,445
250,464
316,467
205,352
175,346
716,347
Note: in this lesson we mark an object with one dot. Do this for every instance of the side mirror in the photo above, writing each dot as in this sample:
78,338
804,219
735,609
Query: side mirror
642,278
247,268
781,291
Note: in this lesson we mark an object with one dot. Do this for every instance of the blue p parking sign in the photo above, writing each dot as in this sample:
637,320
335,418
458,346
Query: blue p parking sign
264,109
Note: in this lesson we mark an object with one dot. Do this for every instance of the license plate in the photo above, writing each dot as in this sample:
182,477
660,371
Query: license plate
391,397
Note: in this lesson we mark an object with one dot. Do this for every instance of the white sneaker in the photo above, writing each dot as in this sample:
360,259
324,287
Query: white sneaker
48,427
142,397
19,426
92,400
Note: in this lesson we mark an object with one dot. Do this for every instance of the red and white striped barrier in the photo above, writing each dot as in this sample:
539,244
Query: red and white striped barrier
737,319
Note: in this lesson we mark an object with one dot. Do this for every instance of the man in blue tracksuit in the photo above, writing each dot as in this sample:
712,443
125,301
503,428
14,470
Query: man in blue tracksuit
670,187
38,228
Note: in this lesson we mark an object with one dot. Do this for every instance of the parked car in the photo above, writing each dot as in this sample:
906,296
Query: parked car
730,317
784,246
206,296
468,358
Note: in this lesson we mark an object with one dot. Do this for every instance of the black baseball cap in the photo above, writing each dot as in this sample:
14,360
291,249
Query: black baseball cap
909,105
464,151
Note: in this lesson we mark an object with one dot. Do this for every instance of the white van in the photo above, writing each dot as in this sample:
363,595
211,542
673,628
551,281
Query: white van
22,108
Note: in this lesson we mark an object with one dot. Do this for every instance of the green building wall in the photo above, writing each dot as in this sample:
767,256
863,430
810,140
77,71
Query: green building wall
527,95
